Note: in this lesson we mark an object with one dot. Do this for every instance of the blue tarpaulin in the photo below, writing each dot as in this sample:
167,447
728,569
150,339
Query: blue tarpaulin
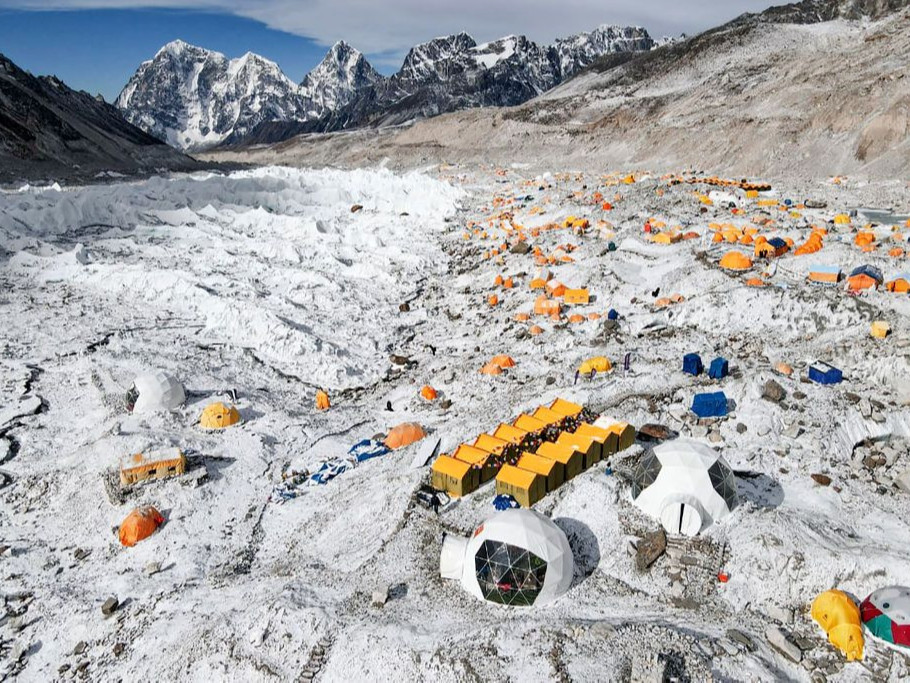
329,471
504,502
719,368
366,449
692,364
710,405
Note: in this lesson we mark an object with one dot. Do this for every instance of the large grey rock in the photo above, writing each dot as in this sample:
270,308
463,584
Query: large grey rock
649,549
773,391
782,643
110,606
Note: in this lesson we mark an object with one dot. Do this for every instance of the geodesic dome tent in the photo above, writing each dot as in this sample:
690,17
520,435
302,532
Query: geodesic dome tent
684,484
517,557
886,615
154,391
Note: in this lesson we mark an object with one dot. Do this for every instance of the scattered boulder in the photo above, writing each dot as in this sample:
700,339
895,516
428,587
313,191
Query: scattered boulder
772,391
903,480
815,204
118,649
110,606
356,208
649,549
822,479
380,596
741,428
395,359
520,248
654,432
738,636
81,647
404,308
780,642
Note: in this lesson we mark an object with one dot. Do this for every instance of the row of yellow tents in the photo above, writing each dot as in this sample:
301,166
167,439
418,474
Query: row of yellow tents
535,454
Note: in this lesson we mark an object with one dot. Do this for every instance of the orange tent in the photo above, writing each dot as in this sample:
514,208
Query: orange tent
428,392
491,369
503,361
734,260
404,435
140,524
535,330
322,400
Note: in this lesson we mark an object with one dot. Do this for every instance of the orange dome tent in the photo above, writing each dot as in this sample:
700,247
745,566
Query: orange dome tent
429,393
322,400
735,260
404,435
503,361
140,524
491,369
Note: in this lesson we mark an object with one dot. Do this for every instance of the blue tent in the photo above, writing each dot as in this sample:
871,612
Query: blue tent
822,373
710,405
692,364
778,243
612,315
719,368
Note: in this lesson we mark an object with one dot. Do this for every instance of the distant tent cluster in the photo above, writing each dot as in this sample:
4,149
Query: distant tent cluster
534,455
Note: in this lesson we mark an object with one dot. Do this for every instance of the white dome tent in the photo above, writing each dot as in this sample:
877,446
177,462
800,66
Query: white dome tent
684,484
517,557
154,391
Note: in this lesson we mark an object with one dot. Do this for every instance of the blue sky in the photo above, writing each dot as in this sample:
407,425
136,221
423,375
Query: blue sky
98,50
96,45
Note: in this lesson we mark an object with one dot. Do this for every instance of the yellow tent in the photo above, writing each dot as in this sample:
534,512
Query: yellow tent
219,416
480,460
568,457
576,296
586,445
598,364
608,440
453,476
839,616
880,329
524,486
552,471
566,408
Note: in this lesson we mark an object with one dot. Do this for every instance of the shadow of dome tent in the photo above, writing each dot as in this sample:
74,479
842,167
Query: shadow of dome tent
685,485
153,392
517,557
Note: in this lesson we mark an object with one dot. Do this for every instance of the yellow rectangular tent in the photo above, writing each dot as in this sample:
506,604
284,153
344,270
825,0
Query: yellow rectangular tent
552,471
490,444
626,434
576,296
511,434
529,424
586,445
566,408
524,486
571,460
479,459
609,440
453,476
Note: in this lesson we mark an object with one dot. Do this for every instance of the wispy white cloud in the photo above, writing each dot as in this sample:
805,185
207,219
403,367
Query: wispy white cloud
389,27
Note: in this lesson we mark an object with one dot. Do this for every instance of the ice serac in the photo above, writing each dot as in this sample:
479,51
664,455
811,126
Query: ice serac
339,78
49,131
194,98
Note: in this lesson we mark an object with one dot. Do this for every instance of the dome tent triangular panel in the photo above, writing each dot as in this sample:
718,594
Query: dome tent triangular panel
517,557
154,391
685,485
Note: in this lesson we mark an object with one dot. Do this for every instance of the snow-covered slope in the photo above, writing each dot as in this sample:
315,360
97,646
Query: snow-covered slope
195,98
